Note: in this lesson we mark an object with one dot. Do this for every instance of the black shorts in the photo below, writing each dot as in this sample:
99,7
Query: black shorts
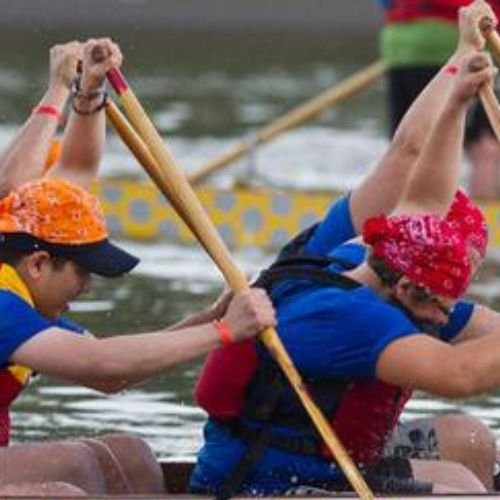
392,476
404,86
415,439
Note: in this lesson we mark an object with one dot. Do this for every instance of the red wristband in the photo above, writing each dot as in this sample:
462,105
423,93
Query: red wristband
451,69
44,109
224,332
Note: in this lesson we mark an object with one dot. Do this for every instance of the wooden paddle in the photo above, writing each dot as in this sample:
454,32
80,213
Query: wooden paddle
486,93
491,108
173,184
140,151
302,114
487,28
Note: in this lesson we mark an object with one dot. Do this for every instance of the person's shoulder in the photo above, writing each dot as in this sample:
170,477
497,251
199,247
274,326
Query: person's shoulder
9,300
377,308
362,298
350,254
19,321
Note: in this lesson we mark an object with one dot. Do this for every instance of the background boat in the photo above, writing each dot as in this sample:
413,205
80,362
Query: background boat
245,216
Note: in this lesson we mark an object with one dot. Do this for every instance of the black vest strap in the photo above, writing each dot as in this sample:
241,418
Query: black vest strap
297,244
259,443
269,383
308,268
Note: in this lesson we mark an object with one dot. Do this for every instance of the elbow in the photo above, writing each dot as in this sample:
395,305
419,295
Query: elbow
110,387
459,389
106,387
105,374
407,144
465,381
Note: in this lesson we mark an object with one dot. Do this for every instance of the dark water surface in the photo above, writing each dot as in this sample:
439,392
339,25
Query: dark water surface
203,91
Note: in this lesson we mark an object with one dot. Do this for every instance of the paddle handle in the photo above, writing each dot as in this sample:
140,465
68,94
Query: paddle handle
491,108
302,114
486,93
140,151
191,210
173,184
487,28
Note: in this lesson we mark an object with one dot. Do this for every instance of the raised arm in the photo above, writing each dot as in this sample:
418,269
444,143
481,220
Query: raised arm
434,180
24,158
382,188
84,137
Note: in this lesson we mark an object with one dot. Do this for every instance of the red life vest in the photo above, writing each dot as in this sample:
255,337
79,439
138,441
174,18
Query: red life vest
367,413
362,412
11,385
363,419
410,10
221,385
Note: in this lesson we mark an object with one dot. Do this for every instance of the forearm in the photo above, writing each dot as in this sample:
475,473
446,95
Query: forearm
143,358
421,118
483,321
122,360
127,359
25,157
83,142
195,319
419,362
479,362
80,159
434,180
390,176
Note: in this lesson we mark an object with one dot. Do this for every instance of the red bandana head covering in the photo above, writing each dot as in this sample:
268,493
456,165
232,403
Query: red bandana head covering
467,218
426,248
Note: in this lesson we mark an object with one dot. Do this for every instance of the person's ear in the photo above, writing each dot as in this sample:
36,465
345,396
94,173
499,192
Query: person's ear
35,263
401,288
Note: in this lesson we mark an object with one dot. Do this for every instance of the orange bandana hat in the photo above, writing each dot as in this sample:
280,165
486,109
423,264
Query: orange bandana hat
65,220
426,248
54,211
465,216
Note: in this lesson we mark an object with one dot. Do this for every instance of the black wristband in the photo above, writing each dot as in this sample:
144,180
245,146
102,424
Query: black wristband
76,90
98,108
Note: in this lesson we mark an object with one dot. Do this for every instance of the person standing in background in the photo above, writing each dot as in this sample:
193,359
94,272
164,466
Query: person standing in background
417,38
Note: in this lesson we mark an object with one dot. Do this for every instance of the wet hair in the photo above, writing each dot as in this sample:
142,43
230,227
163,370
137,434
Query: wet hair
386,274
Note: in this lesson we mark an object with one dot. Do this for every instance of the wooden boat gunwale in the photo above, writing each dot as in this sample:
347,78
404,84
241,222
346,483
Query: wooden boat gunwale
176,474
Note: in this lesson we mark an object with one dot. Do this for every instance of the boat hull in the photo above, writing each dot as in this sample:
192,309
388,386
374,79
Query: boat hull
177,473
